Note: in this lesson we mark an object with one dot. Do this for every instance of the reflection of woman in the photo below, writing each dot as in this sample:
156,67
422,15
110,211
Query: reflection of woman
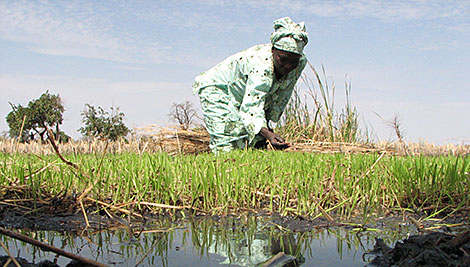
251,250
258,249
245,91
291,251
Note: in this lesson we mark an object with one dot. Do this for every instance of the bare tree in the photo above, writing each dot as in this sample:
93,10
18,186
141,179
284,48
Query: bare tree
183,114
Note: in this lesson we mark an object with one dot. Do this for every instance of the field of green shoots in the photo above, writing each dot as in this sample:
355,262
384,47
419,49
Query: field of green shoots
303,184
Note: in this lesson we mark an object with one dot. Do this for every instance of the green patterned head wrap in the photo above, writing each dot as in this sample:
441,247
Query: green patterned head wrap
289,36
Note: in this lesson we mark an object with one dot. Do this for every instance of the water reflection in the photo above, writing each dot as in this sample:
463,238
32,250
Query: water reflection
253,241
249,246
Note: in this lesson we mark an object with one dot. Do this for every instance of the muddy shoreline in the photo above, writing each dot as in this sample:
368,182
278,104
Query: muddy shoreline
426,248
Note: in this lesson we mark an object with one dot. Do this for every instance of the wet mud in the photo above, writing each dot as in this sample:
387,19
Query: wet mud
47,222
45,263
432,249
55,214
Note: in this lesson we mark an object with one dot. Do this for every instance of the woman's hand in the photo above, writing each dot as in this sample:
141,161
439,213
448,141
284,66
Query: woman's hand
276,141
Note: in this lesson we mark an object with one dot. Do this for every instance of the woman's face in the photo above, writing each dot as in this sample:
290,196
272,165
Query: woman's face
285,62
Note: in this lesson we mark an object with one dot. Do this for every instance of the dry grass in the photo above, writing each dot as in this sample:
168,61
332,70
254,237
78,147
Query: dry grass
341,147
174,140
431,149
150,139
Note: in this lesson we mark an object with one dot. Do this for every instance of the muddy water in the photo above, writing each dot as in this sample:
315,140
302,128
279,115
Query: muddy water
250,241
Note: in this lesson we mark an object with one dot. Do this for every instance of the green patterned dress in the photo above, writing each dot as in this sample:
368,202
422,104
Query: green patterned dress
241,94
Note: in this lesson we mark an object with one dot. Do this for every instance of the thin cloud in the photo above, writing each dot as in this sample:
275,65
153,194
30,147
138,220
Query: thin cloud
72,30
137,32
448,19
381,10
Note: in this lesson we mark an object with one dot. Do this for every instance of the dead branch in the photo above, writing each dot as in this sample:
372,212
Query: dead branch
47,247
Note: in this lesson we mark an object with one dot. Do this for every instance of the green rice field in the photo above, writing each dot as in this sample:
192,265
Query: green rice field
289,183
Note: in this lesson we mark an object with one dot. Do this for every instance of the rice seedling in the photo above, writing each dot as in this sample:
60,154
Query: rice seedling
304,184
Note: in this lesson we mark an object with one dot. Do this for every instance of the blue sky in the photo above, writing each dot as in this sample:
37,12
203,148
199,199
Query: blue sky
409,59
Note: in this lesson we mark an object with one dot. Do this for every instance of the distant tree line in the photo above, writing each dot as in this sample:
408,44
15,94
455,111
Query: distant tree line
31,122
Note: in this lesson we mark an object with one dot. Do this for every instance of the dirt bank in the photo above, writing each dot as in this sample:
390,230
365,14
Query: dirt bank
431,249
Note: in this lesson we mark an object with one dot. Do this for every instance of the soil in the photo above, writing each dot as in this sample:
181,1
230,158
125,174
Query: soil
60,223
44,263
433,249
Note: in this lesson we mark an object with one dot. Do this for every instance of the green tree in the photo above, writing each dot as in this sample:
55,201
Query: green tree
32,121
46,112
18,121
101,124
